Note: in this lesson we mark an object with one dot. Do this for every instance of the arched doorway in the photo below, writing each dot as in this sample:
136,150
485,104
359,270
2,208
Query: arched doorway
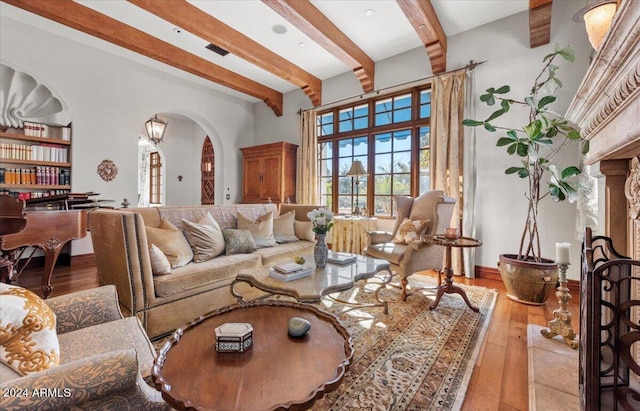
207,170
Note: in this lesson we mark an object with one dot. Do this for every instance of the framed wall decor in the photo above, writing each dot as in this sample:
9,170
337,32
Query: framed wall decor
107,170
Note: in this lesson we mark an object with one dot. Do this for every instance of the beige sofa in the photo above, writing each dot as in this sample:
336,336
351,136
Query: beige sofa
164,303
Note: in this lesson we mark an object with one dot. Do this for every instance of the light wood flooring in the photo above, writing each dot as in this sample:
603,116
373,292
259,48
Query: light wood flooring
499,380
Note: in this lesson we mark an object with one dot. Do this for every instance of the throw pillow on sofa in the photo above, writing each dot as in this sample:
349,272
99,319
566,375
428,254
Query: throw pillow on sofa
238,241
172,242
205,238
261,229
304,230
160,264
283,228
410,230
28,339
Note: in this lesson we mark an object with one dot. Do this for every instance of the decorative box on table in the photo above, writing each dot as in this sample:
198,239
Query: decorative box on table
234,337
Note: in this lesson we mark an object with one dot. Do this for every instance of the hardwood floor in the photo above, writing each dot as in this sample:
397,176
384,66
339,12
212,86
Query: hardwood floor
499,380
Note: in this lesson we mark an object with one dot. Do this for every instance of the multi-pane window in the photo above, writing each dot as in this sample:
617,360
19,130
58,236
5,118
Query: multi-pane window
424,158
392,171
353,118
393,110
349,150
325,172
155,178
325,124
390,136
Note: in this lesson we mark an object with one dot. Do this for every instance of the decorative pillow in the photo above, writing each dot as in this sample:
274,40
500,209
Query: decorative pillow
160,264
238,241
283,229
28,340
304,230
205,238
171,241
410,230
261,229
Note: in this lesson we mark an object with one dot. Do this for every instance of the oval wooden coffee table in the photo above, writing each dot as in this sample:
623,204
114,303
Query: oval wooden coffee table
277,372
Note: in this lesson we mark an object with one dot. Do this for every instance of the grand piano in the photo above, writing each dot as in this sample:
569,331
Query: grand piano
48,230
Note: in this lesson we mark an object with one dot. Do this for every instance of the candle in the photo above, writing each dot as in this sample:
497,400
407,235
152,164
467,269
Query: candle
563,255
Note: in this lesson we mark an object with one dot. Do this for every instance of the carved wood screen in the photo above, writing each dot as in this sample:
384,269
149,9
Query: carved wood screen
609,327
207,171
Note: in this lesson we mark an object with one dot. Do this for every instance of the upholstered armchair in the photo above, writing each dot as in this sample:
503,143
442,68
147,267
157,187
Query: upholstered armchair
406,252
104,359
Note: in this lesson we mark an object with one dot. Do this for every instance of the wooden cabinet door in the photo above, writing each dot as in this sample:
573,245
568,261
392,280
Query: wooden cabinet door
269,173
251,180
271,178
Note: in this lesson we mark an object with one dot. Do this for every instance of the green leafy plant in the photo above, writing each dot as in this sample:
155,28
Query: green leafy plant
537,144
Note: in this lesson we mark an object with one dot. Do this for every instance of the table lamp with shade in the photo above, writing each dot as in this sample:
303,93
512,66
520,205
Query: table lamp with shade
357,170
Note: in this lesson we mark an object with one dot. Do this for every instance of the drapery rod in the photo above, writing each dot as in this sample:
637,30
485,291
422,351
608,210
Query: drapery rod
469,67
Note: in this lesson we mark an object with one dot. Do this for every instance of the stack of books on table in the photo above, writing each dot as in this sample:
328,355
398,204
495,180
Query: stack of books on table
341,258
288,271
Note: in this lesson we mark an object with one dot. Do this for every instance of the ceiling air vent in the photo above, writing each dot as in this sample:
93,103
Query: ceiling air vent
218,50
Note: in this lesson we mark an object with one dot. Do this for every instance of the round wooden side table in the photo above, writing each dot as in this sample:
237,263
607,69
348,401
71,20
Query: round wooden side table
448,286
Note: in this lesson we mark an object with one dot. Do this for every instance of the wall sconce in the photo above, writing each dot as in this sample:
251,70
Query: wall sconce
357,170
597,16
155,129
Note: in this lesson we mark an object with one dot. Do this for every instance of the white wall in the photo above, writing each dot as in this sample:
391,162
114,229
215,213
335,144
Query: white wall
501,207
181,153
110,98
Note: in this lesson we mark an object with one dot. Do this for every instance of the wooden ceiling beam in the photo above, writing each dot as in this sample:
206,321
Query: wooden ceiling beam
189,17
425,22
308,19
539,22
84,19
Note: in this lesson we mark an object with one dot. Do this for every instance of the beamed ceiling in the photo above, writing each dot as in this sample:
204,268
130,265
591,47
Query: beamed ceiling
274,46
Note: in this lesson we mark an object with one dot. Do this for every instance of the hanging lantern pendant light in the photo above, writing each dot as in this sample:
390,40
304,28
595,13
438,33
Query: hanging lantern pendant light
155,129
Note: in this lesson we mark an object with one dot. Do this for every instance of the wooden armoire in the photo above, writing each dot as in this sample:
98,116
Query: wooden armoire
269,173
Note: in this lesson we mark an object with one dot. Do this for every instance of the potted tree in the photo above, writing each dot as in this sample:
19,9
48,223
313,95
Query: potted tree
529,277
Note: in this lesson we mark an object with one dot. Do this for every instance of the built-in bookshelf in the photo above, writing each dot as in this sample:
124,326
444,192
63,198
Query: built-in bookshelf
35,161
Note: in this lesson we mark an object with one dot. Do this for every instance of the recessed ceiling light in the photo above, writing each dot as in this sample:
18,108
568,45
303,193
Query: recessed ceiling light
177,30
368,12
279,29
422,26
302,44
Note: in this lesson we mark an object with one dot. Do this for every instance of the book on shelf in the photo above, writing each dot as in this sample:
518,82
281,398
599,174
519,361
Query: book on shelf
66,133
340,258
294,275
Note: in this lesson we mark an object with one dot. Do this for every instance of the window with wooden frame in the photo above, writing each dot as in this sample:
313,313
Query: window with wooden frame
155,178
390,135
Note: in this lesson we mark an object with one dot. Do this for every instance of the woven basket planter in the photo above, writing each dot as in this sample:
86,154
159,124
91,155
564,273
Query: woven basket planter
528,282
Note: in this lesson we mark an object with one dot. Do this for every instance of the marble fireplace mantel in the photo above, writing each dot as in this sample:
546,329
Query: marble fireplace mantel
607,109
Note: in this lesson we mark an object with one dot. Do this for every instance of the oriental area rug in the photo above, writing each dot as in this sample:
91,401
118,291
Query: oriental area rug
413,358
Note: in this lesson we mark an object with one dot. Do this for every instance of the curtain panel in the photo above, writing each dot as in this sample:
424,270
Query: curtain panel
307,173
449,157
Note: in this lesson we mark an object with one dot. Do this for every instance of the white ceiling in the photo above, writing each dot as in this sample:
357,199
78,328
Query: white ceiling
384,33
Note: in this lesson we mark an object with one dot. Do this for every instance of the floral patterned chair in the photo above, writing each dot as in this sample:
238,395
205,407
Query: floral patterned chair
103,361
404,248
